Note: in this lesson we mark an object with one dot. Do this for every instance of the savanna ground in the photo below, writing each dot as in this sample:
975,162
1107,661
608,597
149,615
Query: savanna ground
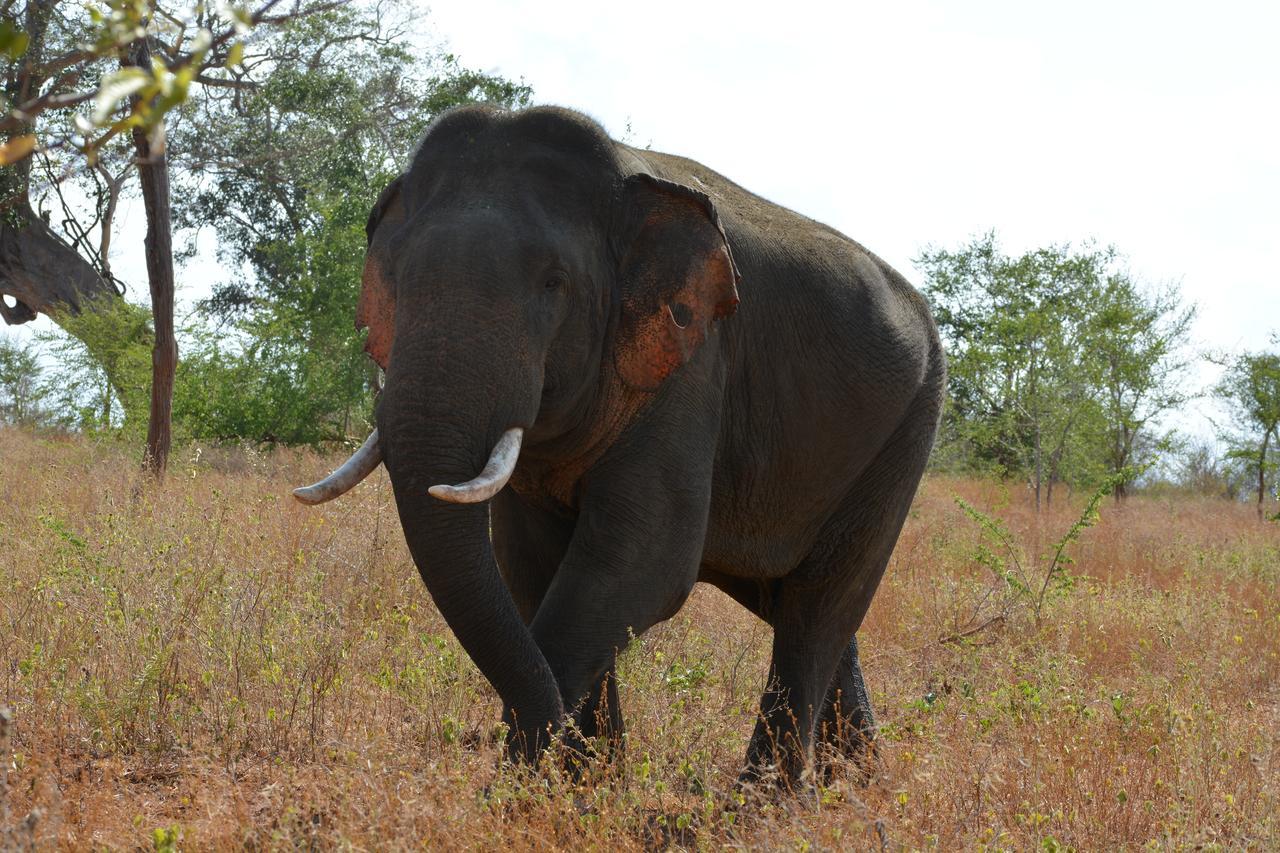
208,664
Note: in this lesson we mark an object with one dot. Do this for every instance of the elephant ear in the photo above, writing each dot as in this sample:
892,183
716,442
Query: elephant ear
376,307
676,276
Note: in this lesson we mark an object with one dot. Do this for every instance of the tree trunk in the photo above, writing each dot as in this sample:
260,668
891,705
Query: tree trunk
1055,461
1122,450
1262,472
153,174
39,273
1039,468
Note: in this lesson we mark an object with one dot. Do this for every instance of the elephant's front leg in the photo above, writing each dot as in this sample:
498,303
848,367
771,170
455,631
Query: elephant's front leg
614,584
632,562
530,543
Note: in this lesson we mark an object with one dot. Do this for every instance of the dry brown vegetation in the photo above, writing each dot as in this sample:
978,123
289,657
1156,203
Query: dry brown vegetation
209,665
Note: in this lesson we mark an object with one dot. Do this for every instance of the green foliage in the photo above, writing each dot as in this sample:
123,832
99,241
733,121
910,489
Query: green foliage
95,39
164,839
101,366
286,171
91,374
1034,582
295,370
1058,361
1198,467
1250,388
1018,404
13,41
22,394
1134,343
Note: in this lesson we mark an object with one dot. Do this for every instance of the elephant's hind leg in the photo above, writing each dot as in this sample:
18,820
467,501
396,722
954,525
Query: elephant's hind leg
780,751
600,718
817,607
846,726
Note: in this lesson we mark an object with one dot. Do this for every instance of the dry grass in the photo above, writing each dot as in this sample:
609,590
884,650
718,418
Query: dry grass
207,663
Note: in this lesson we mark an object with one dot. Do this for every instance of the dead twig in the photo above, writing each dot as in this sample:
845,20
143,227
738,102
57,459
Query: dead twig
998,619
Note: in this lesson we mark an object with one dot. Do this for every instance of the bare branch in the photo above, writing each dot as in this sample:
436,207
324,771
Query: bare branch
998,619
58,63
225,83
28,112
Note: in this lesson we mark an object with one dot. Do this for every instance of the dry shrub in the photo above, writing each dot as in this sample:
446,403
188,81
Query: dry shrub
207,664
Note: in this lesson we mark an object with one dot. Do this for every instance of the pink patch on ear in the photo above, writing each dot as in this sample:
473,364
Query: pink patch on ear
657,343
376,309
652,351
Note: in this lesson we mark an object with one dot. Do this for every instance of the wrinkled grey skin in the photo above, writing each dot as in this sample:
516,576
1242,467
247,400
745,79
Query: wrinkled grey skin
773,452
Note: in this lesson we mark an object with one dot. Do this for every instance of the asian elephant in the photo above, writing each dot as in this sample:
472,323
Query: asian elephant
558,317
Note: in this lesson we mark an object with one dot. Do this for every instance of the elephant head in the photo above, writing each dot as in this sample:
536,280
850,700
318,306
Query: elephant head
513,274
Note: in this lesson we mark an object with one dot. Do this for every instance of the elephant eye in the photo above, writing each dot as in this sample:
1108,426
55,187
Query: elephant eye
556,281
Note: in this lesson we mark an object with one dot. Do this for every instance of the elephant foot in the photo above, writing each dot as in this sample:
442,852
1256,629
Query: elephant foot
759,786
774,772
526,743
855,758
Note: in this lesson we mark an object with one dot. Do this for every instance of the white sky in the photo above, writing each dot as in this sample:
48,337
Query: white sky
1151,125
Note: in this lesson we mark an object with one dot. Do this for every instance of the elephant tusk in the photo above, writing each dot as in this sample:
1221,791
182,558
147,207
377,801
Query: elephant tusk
341,481
502,461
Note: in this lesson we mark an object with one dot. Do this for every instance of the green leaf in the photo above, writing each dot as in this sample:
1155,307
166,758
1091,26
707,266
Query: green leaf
13,41
239,15
115,87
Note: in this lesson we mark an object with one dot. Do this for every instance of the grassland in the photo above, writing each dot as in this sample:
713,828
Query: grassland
209,665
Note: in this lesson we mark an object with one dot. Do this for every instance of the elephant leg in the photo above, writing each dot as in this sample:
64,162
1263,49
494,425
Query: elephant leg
846,726
819,606
845,723
634,556
813,662
530,544
781,746
600,717
609,589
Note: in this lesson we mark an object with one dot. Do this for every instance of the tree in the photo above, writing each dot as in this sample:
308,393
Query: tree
272,141
1251,390
136,60
67,278
1018,397
285,163
98,377
39,271
1135,343
1202,470
21,392
1060,364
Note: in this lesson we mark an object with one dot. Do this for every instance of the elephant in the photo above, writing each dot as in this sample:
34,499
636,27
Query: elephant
559,312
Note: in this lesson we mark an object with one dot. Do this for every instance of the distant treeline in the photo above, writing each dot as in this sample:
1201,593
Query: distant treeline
1064,367
1066,370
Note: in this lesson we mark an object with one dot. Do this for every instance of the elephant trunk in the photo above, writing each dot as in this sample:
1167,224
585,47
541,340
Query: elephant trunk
426,445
